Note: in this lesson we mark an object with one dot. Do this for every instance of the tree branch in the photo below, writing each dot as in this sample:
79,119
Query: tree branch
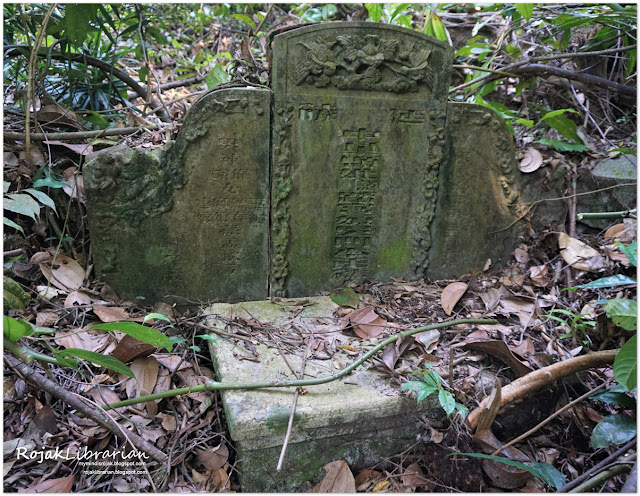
78,134
95,414
589,79
100,64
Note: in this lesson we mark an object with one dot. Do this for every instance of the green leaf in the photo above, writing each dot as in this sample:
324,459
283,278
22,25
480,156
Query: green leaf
447,401
65,361
436,28
548,474
245,18
77,19
27,201
423,390
42,197
20,207
606,282
155,316
614,429
561,123
14,296
15,329
109,362
49,182
625,366
623,313
10,223
139,332
142,73
208,337
461,409
329,11
631,251
374,10
613,397
563,146
177,339
217,76
525,10
195,348
346,297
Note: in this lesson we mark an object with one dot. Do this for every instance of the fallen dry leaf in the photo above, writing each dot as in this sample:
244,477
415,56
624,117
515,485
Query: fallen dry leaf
617,232
110,314
428,339
501,351
365,321
46,319
62,485
172,362
579,255
365,479
214,458
491,298
77,297
85,340
531,161
539,275
81,148
413,476
129,349
146,372
221,480
65,273
521,254
338,479
451,295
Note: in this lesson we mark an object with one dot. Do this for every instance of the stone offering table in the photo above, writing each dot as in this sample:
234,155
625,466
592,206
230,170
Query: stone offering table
361,418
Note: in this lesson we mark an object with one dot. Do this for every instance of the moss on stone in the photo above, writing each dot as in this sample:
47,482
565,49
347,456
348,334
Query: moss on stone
393,257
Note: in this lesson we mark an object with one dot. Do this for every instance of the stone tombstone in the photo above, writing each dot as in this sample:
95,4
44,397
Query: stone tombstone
479,197
359,136
190,222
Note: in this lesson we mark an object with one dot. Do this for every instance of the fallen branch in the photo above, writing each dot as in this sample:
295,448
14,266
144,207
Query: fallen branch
596,468
589,79
237,386
78,134
538,379
608,215
100,64
603,477
97,415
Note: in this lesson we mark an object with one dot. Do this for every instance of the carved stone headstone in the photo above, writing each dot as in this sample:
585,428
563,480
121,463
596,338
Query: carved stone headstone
359,135
479,198
190,221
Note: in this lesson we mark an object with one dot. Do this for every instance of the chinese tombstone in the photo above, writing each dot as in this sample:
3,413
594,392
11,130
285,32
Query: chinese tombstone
372,175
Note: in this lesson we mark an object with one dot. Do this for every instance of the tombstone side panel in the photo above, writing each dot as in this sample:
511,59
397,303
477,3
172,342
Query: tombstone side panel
479,198
191,221
358,133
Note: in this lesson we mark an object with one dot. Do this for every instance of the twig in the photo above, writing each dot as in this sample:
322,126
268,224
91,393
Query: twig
608,215
13,253
547,420
490,77
263,19
78,134
588,79
96,414
31,80
580,479
601,478
293,410
217,331
240,386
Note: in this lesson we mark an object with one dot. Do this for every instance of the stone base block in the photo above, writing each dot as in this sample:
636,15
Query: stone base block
361,418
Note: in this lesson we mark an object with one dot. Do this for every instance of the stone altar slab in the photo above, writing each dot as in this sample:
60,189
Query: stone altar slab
359,117
188,223
360,418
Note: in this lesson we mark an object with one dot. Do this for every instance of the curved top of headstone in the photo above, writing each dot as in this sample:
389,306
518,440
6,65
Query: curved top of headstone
361,56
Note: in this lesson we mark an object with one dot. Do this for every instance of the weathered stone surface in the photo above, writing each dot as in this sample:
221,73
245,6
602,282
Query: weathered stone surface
360,418
479,197
191,220
358,139
620,175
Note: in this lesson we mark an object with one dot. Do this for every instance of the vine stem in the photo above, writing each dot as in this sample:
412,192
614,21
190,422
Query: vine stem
235,386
